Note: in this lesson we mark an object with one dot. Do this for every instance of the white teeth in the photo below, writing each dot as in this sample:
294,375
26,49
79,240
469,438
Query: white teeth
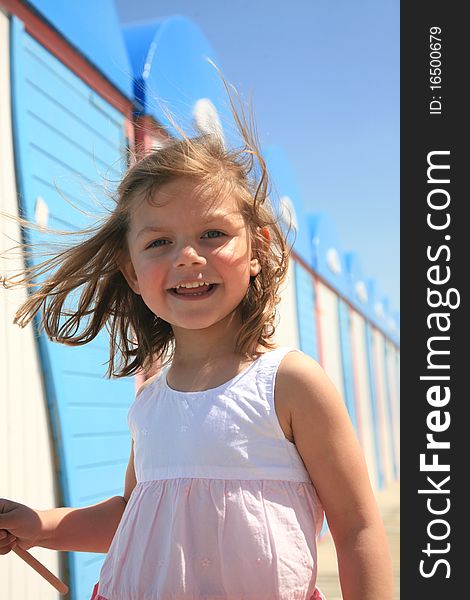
195,284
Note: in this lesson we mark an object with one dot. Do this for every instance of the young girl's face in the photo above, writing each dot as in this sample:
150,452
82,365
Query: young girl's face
186,236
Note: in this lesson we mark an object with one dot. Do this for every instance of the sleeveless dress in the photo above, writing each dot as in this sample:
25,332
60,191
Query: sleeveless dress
224,508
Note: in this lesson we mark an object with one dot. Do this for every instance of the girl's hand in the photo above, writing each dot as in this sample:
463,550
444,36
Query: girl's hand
19,526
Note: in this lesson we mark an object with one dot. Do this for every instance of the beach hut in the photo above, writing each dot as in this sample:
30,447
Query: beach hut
70,125
176,85
364,394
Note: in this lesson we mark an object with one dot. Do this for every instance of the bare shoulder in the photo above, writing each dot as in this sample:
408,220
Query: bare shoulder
296,363
301,388
301,382
317,413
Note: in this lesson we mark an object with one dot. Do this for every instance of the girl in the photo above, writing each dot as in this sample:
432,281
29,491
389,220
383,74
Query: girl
237,445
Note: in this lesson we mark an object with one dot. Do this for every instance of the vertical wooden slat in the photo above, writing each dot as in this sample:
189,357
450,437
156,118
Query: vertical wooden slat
346,359
305,305
287,329
329,324
364,412
386,448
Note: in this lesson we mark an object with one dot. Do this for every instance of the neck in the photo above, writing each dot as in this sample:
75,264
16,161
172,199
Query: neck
205,346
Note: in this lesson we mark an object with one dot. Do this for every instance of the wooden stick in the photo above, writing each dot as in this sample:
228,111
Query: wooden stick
42,570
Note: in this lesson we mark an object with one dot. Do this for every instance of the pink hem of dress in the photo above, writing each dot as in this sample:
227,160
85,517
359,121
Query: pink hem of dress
317,595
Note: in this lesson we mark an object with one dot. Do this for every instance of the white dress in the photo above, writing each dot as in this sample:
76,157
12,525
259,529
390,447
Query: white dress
223,507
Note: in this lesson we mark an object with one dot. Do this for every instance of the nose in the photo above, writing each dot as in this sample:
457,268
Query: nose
188,256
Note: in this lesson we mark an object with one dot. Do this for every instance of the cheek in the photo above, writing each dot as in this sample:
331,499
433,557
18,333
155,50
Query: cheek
233,255
149,275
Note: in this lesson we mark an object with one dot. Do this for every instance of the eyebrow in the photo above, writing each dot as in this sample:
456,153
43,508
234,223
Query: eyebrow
154,228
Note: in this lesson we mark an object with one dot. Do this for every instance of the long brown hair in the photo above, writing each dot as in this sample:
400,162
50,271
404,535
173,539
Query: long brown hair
90,268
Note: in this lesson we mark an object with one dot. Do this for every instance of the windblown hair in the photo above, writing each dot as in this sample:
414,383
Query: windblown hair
87,273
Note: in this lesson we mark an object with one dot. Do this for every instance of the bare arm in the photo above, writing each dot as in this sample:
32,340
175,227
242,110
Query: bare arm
86,529
327,444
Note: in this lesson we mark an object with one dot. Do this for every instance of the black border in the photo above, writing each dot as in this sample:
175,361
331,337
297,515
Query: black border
421,133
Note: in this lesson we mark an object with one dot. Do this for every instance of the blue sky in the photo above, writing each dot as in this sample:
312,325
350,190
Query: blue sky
324,78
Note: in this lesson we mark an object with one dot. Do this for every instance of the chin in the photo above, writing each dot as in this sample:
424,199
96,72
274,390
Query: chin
201,324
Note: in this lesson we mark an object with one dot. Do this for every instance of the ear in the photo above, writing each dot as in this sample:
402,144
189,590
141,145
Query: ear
263,247
127,269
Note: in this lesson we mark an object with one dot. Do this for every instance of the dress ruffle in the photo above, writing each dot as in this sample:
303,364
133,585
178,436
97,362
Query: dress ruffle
317,595
215,539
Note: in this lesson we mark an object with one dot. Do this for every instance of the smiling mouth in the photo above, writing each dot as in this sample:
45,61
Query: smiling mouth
191,292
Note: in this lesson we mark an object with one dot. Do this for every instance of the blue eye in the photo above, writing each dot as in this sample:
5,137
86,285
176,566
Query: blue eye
157,244
213,231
